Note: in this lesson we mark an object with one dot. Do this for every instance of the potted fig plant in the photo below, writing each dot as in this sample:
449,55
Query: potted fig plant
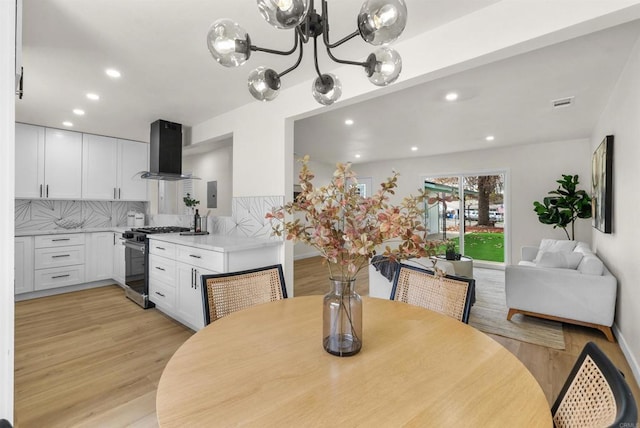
565,206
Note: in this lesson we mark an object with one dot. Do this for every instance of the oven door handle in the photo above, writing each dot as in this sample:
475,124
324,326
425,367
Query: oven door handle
135,246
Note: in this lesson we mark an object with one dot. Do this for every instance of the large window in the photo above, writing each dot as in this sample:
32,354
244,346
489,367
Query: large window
470,210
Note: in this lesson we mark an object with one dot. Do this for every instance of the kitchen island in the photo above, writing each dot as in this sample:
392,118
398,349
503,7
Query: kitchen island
177,263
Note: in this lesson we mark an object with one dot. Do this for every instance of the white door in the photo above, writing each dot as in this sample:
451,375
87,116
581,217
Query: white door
189,307
63,164
29,161
99,165
23,264
99,258
133,158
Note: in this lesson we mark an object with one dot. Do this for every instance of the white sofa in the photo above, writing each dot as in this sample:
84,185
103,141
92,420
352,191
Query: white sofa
563,281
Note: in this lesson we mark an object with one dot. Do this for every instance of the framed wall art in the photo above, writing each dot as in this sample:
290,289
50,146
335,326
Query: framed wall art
601,185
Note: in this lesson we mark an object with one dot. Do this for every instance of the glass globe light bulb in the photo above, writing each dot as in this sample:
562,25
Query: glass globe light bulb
326,90
387,67
228,43
382,21
264,84
283,14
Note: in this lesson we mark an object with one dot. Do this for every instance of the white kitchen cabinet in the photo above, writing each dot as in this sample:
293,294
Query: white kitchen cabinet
99,260
62,164
23,264
189,304
99,165
133,158
118,258
111,168
48,163
175,271
29,161
59,260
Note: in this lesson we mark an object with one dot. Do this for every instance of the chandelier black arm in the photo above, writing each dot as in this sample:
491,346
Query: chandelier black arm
325,37
273,51
294,66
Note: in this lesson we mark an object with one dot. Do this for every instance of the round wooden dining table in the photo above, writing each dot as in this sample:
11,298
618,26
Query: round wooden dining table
265,366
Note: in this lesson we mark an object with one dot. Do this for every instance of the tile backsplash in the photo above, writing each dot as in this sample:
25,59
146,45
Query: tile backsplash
36,214
247,218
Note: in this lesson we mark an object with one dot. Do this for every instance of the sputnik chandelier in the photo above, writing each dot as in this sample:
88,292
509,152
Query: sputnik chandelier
380,22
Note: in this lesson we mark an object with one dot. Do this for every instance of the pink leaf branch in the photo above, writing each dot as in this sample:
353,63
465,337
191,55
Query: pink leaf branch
348,228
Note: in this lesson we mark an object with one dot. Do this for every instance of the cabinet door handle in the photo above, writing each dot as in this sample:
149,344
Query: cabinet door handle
47,190
60,255
114,193
119,196
160,294
61,239
195,279
195,256
160,248
159,268
60,276
41,190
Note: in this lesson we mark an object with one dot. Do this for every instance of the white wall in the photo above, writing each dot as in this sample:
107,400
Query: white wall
7,182
619,250
532,171
214,165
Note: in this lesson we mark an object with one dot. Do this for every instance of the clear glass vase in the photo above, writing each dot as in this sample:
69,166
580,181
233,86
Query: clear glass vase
342,319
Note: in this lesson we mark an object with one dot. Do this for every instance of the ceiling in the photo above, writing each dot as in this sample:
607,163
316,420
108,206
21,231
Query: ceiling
509,99
160,49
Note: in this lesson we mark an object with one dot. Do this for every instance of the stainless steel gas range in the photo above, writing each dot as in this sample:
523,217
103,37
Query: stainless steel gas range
136,262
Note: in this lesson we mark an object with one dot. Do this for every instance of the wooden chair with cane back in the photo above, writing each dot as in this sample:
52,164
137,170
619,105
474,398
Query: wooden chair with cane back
229,292
447,294
595,394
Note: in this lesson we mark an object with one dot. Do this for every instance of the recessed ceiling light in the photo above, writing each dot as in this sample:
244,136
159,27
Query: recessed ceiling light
67,123
112,72
451,96
92,96
348,122
490,138
414,149
358,156
78,111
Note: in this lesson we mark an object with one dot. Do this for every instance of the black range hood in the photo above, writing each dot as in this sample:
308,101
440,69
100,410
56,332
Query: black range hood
165,152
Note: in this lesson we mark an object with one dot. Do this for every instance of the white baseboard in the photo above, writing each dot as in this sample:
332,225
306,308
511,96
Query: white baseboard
61,290
631,359
306,255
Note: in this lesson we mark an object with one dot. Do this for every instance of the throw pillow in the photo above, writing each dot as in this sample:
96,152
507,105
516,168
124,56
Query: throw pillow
591,265
559,259
555,245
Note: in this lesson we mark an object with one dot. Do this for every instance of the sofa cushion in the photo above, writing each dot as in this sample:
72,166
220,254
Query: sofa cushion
583,247
591,265
554,245
559,259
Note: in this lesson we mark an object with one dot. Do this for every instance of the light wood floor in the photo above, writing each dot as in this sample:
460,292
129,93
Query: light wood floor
93,358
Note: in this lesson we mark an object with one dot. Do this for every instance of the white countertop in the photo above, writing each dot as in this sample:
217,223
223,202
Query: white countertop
36,232
220,243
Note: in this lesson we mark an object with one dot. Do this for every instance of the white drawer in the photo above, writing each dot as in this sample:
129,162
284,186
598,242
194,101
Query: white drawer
164,297
162,269
47,241
61,256
164,249
211,260
58,277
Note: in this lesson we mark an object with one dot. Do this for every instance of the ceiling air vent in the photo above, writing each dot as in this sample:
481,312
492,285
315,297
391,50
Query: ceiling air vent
562,102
